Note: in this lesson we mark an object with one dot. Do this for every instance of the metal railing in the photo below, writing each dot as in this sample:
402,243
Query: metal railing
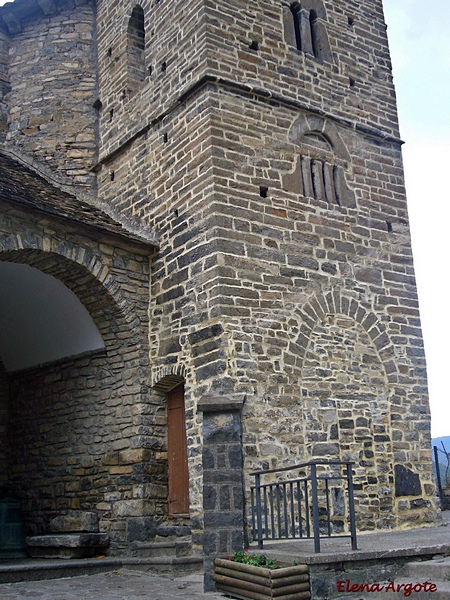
441,464
317,503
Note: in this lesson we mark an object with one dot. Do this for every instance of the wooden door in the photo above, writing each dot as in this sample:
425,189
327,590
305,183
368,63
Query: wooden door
177,454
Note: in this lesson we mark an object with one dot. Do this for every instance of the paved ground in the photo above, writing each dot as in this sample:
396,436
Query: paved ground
122,584
126,584
425,540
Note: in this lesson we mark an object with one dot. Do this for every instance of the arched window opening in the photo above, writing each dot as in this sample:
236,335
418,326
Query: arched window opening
295,10
136,48
320,167
305,29
320,178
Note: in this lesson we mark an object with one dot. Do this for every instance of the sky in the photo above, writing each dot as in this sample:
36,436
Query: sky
419,40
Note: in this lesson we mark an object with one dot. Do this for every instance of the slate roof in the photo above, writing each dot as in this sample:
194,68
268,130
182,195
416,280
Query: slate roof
22,186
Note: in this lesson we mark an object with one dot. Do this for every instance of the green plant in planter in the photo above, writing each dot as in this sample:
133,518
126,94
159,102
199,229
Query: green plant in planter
248,576
257,560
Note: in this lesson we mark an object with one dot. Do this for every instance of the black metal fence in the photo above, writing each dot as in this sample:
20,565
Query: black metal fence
441,464
310,500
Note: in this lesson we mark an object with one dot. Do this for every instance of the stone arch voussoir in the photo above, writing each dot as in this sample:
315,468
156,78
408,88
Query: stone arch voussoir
40,251
308,123
334,302
167,377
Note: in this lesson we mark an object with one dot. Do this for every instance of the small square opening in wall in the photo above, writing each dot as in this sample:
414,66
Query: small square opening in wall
263,191
165,137
254,45
163,66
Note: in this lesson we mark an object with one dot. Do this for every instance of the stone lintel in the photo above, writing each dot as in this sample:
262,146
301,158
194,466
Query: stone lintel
226,403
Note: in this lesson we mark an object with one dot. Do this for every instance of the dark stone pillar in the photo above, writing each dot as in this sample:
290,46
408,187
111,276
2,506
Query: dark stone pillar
223,480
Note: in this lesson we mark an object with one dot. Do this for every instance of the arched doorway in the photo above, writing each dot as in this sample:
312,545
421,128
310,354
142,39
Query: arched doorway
41,319
72,439
346,413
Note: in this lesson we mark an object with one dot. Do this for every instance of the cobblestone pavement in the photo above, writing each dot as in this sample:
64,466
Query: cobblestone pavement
122,584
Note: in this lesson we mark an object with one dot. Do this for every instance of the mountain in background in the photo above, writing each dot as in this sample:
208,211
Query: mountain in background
437,442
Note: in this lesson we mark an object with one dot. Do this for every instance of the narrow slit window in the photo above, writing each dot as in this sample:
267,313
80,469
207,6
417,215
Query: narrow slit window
136,48
295,10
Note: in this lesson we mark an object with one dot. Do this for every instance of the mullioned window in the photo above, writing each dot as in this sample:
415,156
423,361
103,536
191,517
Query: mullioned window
305,29
321,163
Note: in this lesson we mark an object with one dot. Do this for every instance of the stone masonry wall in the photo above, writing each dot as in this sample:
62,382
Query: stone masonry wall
355,84
185,44
305,302
284,274
172,197
249,277
53,88
85,432
174,60
321,305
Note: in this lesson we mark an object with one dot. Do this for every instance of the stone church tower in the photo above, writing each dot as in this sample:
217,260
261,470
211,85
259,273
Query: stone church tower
219,185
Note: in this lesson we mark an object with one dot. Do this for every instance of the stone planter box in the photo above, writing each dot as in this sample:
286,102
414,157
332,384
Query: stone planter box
247,582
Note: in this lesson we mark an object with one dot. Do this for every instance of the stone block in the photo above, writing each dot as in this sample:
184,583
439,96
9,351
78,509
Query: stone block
75,521
225,427
69,545
407,483
131,508
141,529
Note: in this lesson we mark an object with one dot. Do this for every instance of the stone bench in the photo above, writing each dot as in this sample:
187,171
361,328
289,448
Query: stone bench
74,535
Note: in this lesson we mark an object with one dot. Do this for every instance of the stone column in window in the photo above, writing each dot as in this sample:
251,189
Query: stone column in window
305,31
330,188
308,189
317,178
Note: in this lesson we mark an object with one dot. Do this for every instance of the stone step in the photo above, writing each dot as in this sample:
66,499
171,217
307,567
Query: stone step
67,545
166,548
166,565
35,570
438,568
